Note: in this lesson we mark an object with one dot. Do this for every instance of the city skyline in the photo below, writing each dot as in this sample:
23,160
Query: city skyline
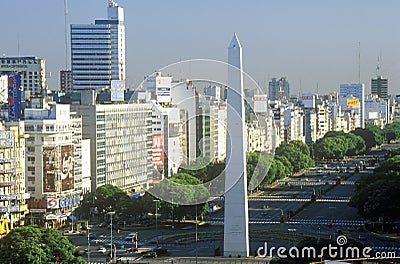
313,44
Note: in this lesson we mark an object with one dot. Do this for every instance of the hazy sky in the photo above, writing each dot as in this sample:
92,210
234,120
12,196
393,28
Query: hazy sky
307,41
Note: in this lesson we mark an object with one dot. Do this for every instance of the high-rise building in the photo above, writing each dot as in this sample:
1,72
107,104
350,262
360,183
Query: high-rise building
66,81
379,87
279,89
352,97
98,51
32,71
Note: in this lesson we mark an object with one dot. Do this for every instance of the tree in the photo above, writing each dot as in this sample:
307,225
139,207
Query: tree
368,136
30,244
296,153
186,190
109,198
376,195
392,131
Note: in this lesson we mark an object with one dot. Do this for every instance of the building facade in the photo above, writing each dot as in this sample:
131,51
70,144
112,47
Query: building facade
66,81
53,163
279,89
32,71
98,51
379,87
13,195
120,143
352,98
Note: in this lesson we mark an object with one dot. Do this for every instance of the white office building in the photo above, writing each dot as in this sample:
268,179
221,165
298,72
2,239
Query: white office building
98,51
120,143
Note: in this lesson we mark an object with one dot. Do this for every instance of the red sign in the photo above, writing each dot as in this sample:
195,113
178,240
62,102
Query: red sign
158,150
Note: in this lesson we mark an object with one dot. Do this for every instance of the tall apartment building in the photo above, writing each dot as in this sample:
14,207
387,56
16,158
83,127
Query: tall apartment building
379,87
66,81
53,162
32,70
98,51
279,89
13,207
120,142
352,97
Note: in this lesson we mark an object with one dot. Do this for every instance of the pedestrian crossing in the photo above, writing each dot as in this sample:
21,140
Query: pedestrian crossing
220,220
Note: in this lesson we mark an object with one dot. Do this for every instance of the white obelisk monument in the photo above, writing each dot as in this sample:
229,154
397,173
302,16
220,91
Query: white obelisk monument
236,224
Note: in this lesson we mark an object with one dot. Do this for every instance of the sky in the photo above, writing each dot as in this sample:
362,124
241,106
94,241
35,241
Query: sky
314,43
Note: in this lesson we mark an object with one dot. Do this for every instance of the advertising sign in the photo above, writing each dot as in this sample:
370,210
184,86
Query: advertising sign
14,96
352,102
53,203
69,201
158,150
67,167
117,90
50,166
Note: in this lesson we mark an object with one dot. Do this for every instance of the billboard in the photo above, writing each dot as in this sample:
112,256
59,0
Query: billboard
69,201
14,96
117,90
67,167
352,102
158,150
50,166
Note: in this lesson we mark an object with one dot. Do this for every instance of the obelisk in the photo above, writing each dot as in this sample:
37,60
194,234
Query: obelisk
236,227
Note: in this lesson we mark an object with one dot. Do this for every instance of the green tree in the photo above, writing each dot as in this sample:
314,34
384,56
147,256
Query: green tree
295,153
30,244
392,131
109,198
181,187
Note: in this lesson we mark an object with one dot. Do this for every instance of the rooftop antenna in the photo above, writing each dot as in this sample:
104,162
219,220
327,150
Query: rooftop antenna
65,34
378,67
359,62
317,88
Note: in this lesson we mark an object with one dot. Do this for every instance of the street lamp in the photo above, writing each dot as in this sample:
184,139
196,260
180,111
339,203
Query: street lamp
111,238
156,201
88,240
196,235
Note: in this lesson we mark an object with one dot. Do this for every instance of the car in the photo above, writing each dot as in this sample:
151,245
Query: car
130,236
102,225
101,249
319,171
131,250
92,235
150,254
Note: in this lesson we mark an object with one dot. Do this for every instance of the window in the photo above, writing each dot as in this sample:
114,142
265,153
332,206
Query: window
31,169
31,159
32,179
31,188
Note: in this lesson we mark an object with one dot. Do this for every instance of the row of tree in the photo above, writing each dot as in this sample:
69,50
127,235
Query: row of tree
377,194
337,144
289,158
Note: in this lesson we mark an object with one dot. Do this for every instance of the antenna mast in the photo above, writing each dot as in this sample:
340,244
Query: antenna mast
66,33
359,62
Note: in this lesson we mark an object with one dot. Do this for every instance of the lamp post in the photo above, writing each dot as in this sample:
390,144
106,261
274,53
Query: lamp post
111,237
196,235
88,240
156,201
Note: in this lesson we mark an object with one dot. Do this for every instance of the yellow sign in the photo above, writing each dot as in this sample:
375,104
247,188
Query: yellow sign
4,229
352,102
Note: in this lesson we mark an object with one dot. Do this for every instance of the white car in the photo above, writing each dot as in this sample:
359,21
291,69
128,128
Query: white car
101,249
